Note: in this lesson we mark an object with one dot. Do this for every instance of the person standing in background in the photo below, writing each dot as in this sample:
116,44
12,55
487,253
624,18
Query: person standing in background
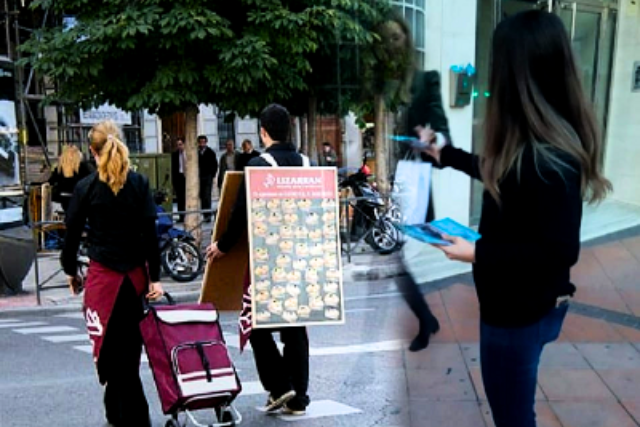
70,170
178,177
329,156
228,161
207,167
247,154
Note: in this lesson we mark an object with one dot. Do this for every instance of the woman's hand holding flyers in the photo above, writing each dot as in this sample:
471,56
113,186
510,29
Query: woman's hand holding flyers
459,250
75,284
429,137
155,291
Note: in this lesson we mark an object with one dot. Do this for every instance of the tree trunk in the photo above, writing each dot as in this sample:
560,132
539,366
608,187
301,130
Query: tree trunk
313,117
304,135
381,145
192,174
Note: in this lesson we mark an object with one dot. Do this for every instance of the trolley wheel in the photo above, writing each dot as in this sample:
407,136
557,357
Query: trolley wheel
224,415
172,423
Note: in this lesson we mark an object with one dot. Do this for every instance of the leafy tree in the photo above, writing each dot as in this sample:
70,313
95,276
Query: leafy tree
172,55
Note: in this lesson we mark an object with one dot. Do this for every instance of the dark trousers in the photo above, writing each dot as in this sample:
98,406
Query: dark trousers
119,362
509,359
280,373
206,186
414,298
180,187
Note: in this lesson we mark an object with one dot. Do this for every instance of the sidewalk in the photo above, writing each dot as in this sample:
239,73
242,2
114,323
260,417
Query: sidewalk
590,377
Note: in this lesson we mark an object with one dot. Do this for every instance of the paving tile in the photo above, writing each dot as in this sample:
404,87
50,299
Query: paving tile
573,385
619,264
632,299
436,356
632,244
625,383
592,414
445,414
466,330
471,353
633,406
610,299
629,334
476,376
562,355
588,273
611,356
445,334
579,328
441,384
544,415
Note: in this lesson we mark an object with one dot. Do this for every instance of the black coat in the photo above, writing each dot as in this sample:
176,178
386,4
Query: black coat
425,108
207,163
176,177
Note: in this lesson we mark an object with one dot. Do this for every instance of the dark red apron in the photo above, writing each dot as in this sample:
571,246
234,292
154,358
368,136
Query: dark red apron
101,291
245,320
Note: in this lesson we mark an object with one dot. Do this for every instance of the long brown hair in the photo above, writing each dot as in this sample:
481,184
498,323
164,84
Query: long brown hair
69,161
537,100
113,155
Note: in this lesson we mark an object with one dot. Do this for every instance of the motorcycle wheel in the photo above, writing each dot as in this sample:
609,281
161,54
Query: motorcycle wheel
182,261
384,237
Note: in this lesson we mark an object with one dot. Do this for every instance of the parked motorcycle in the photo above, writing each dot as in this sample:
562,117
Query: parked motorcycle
181,258
372,219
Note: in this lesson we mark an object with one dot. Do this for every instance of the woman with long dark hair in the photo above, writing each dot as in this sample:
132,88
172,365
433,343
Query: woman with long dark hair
541,159
124,268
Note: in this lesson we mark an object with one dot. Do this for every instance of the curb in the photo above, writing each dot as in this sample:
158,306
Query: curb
53,310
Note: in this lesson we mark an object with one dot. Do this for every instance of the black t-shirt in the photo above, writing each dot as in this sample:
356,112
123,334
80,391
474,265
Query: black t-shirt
122,234
529,241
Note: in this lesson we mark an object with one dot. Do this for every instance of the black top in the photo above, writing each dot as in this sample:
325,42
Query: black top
177,178
207,163
530,242
285,155
122,233
242,159
66,185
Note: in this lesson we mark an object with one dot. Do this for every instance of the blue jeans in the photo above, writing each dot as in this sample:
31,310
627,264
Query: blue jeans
509,359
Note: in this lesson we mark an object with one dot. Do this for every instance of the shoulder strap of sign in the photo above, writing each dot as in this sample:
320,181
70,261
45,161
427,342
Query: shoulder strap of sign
269,159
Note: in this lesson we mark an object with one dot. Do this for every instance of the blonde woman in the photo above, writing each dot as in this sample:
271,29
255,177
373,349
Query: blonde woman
70,170
125,265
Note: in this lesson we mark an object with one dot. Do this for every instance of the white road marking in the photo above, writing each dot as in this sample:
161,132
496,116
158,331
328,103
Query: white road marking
67,338
373,347
323,408
21,325
45,330
2,321
374,296
84,348
71,315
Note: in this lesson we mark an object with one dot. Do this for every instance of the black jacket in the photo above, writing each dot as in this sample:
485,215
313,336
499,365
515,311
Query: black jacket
243,159
176,177
61,184
207,163
426,108
284,154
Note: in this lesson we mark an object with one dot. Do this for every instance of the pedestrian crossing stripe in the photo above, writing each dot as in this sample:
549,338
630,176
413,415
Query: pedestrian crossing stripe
45,330
21,325
66,338
8,321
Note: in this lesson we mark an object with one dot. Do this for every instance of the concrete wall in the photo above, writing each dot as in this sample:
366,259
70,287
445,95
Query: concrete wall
623,130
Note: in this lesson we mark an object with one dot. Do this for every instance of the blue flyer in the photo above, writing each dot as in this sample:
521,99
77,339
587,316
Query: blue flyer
453,228
432,232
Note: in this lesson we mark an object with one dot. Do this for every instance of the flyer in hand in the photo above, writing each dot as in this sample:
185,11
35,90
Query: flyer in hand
294,243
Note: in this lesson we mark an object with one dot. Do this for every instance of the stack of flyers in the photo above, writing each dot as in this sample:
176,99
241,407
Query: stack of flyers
432,232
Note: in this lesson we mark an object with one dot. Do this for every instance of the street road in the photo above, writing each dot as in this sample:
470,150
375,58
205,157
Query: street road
47,375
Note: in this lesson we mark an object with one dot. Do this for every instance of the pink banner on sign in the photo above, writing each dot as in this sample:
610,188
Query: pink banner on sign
294,183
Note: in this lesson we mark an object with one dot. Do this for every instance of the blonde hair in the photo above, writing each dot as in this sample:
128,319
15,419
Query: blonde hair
69,161
113,155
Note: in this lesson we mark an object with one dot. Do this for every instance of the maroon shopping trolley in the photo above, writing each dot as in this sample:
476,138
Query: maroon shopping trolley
190,363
